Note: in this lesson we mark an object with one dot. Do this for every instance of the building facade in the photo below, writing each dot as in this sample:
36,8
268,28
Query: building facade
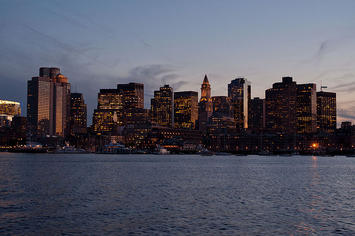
162,107
48,103
326,112
185,109
221,105
280,104
306,108
239,93
78,114
132,95
108,115
256,122
8,110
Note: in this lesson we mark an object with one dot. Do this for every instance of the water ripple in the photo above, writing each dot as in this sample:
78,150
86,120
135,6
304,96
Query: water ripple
176,195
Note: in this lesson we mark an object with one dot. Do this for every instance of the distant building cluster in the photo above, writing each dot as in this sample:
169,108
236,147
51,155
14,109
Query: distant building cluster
292,118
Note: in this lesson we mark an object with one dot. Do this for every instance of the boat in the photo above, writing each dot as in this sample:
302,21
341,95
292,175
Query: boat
29,150
205,152
114,148
70,150
161,151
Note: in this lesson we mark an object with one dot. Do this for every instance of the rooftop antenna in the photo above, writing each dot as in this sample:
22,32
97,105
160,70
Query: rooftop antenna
322,87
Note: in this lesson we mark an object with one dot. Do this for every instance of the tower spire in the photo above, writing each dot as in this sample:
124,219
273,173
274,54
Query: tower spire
205,80
205,90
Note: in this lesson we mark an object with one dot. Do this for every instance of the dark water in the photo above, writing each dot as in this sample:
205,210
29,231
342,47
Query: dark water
43,194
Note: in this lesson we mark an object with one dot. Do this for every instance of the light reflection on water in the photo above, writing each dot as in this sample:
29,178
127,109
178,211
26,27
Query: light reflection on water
218,195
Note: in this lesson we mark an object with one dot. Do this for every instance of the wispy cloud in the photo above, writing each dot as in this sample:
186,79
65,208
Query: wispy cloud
343,84
153,76
346,114
324,48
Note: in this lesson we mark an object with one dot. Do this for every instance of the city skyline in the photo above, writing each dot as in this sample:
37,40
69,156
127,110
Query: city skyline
100,47
203,117
125,93
293,117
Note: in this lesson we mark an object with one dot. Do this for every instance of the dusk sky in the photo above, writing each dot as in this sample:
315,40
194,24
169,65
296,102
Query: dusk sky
98,44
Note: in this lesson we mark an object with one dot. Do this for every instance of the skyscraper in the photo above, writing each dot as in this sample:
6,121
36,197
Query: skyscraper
221,105
108,114
256,122
326,112
48,103
185,109
78,114
118,107
239,92
162,107
132,95
109,99
205,105
306,108
280,107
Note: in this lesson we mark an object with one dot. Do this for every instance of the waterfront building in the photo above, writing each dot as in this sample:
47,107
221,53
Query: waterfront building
8,110
185,109
280,107
239,92
306,108
105,121
137,128
78,114
19,130
256,121
48,103
175,140
326,112
162,107
205,105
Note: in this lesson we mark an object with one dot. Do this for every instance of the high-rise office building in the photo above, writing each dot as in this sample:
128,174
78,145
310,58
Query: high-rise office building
78,114
205,105
306,108
326,112
108,114
132,95
18,127
109,99
105,121
280,107
256,121
48,103
221,105
185,109
118,107
239,92
162,107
